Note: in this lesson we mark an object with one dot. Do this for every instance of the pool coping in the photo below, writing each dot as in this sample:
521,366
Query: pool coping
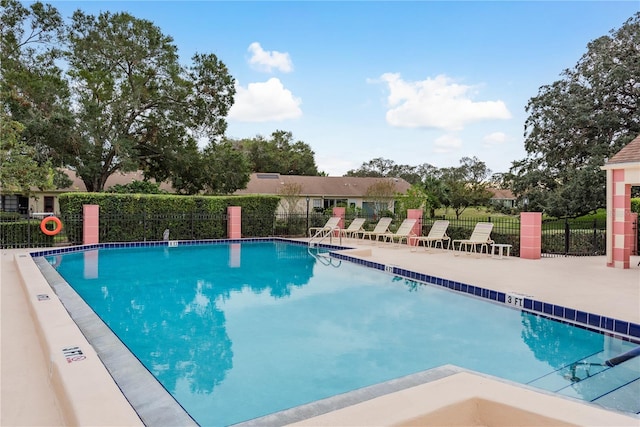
151,401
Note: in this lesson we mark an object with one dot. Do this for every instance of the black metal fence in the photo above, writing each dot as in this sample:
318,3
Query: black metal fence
573,238
559,237
18,232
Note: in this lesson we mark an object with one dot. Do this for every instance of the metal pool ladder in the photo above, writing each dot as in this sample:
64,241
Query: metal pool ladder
324,258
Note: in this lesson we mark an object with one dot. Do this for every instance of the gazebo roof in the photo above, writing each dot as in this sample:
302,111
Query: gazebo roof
630,153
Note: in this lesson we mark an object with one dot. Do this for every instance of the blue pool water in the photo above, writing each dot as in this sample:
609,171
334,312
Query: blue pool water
238,331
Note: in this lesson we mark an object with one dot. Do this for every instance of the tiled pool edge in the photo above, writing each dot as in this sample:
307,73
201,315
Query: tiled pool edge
625,330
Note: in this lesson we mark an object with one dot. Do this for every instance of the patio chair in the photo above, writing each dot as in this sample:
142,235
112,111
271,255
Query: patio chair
330,226
404,232
381,228
481,236
354,229
437,234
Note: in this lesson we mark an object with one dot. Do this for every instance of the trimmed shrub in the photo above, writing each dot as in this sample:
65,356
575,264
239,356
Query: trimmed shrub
140,217
10,216
13,234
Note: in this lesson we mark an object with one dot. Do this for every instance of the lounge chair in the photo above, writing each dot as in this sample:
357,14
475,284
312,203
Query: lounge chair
404,232
330,226
437,234
381,228
481,236
354,229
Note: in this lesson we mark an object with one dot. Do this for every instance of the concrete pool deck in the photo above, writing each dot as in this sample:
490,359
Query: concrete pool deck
583,283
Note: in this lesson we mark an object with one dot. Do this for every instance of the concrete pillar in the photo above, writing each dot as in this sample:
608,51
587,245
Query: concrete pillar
234,222
339,212
417,228
90,224
622,222
530,235
609,200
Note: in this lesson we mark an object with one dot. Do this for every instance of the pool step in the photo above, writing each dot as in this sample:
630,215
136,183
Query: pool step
590,379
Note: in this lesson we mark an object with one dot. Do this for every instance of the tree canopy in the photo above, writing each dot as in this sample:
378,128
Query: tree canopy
380,167
124,101
578,122
20,171
279,154
466,185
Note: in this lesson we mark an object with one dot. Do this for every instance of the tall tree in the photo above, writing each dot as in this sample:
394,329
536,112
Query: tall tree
137,106
575,124
19,171
279,154
466,185
33,90
380,167
125,102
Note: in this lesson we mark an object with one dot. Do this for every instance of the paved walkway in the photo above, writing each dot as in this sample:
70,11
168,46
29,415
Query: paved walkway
26,395
583,283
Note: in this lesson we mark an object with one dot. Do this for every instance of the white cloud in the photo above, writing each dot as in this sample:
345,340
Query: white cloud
447,144
436,103
264,101
495,138
265,60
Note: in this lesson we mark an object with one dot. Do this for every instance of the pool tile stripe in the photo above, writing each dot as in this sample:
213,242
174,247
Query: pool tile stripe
625,330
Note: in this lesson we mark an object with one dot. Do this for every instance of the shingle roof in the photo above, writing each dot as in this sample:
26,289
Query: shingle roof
114,179
630,153
338,186
502,194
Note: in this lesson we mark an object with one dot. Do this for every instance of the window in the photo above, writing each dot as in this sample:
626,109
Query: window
10,203
48,204
330,203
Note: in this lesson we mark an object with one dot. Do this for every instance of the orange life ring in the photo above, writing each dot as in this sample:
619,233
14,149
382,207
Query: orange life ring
56,230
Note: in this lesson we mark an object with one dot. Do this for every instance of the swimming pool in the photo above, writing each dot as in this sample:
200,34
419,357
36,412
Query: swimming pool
236,331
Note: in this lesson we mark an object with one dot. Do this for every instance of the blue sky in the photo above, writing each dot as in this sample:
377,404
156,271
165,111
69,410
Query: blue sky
411,81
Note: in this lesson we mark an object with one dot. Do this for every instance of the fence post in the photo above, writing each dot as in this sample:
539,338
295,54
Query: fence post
29,231
567,232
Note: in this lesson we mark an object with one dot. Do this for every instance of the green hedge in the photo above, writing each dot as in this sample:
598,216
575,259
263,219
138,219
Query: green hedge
23,234
140,217
635,205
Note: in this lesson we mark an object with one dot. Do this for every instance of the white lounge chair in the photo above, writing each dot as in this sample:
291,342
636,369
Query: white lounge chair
404,232
381,228
437,234
481,236
330,226
355,228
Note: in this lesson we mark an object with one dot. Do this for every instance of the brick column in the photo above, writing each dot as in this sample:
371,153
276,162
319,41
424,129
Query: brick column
530,235
234,222
90,224
417,228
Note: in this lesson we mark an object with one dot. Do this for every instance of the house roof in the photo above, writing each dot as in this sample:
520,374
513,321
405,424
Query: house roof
630,153
114,179
502,194
332,186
